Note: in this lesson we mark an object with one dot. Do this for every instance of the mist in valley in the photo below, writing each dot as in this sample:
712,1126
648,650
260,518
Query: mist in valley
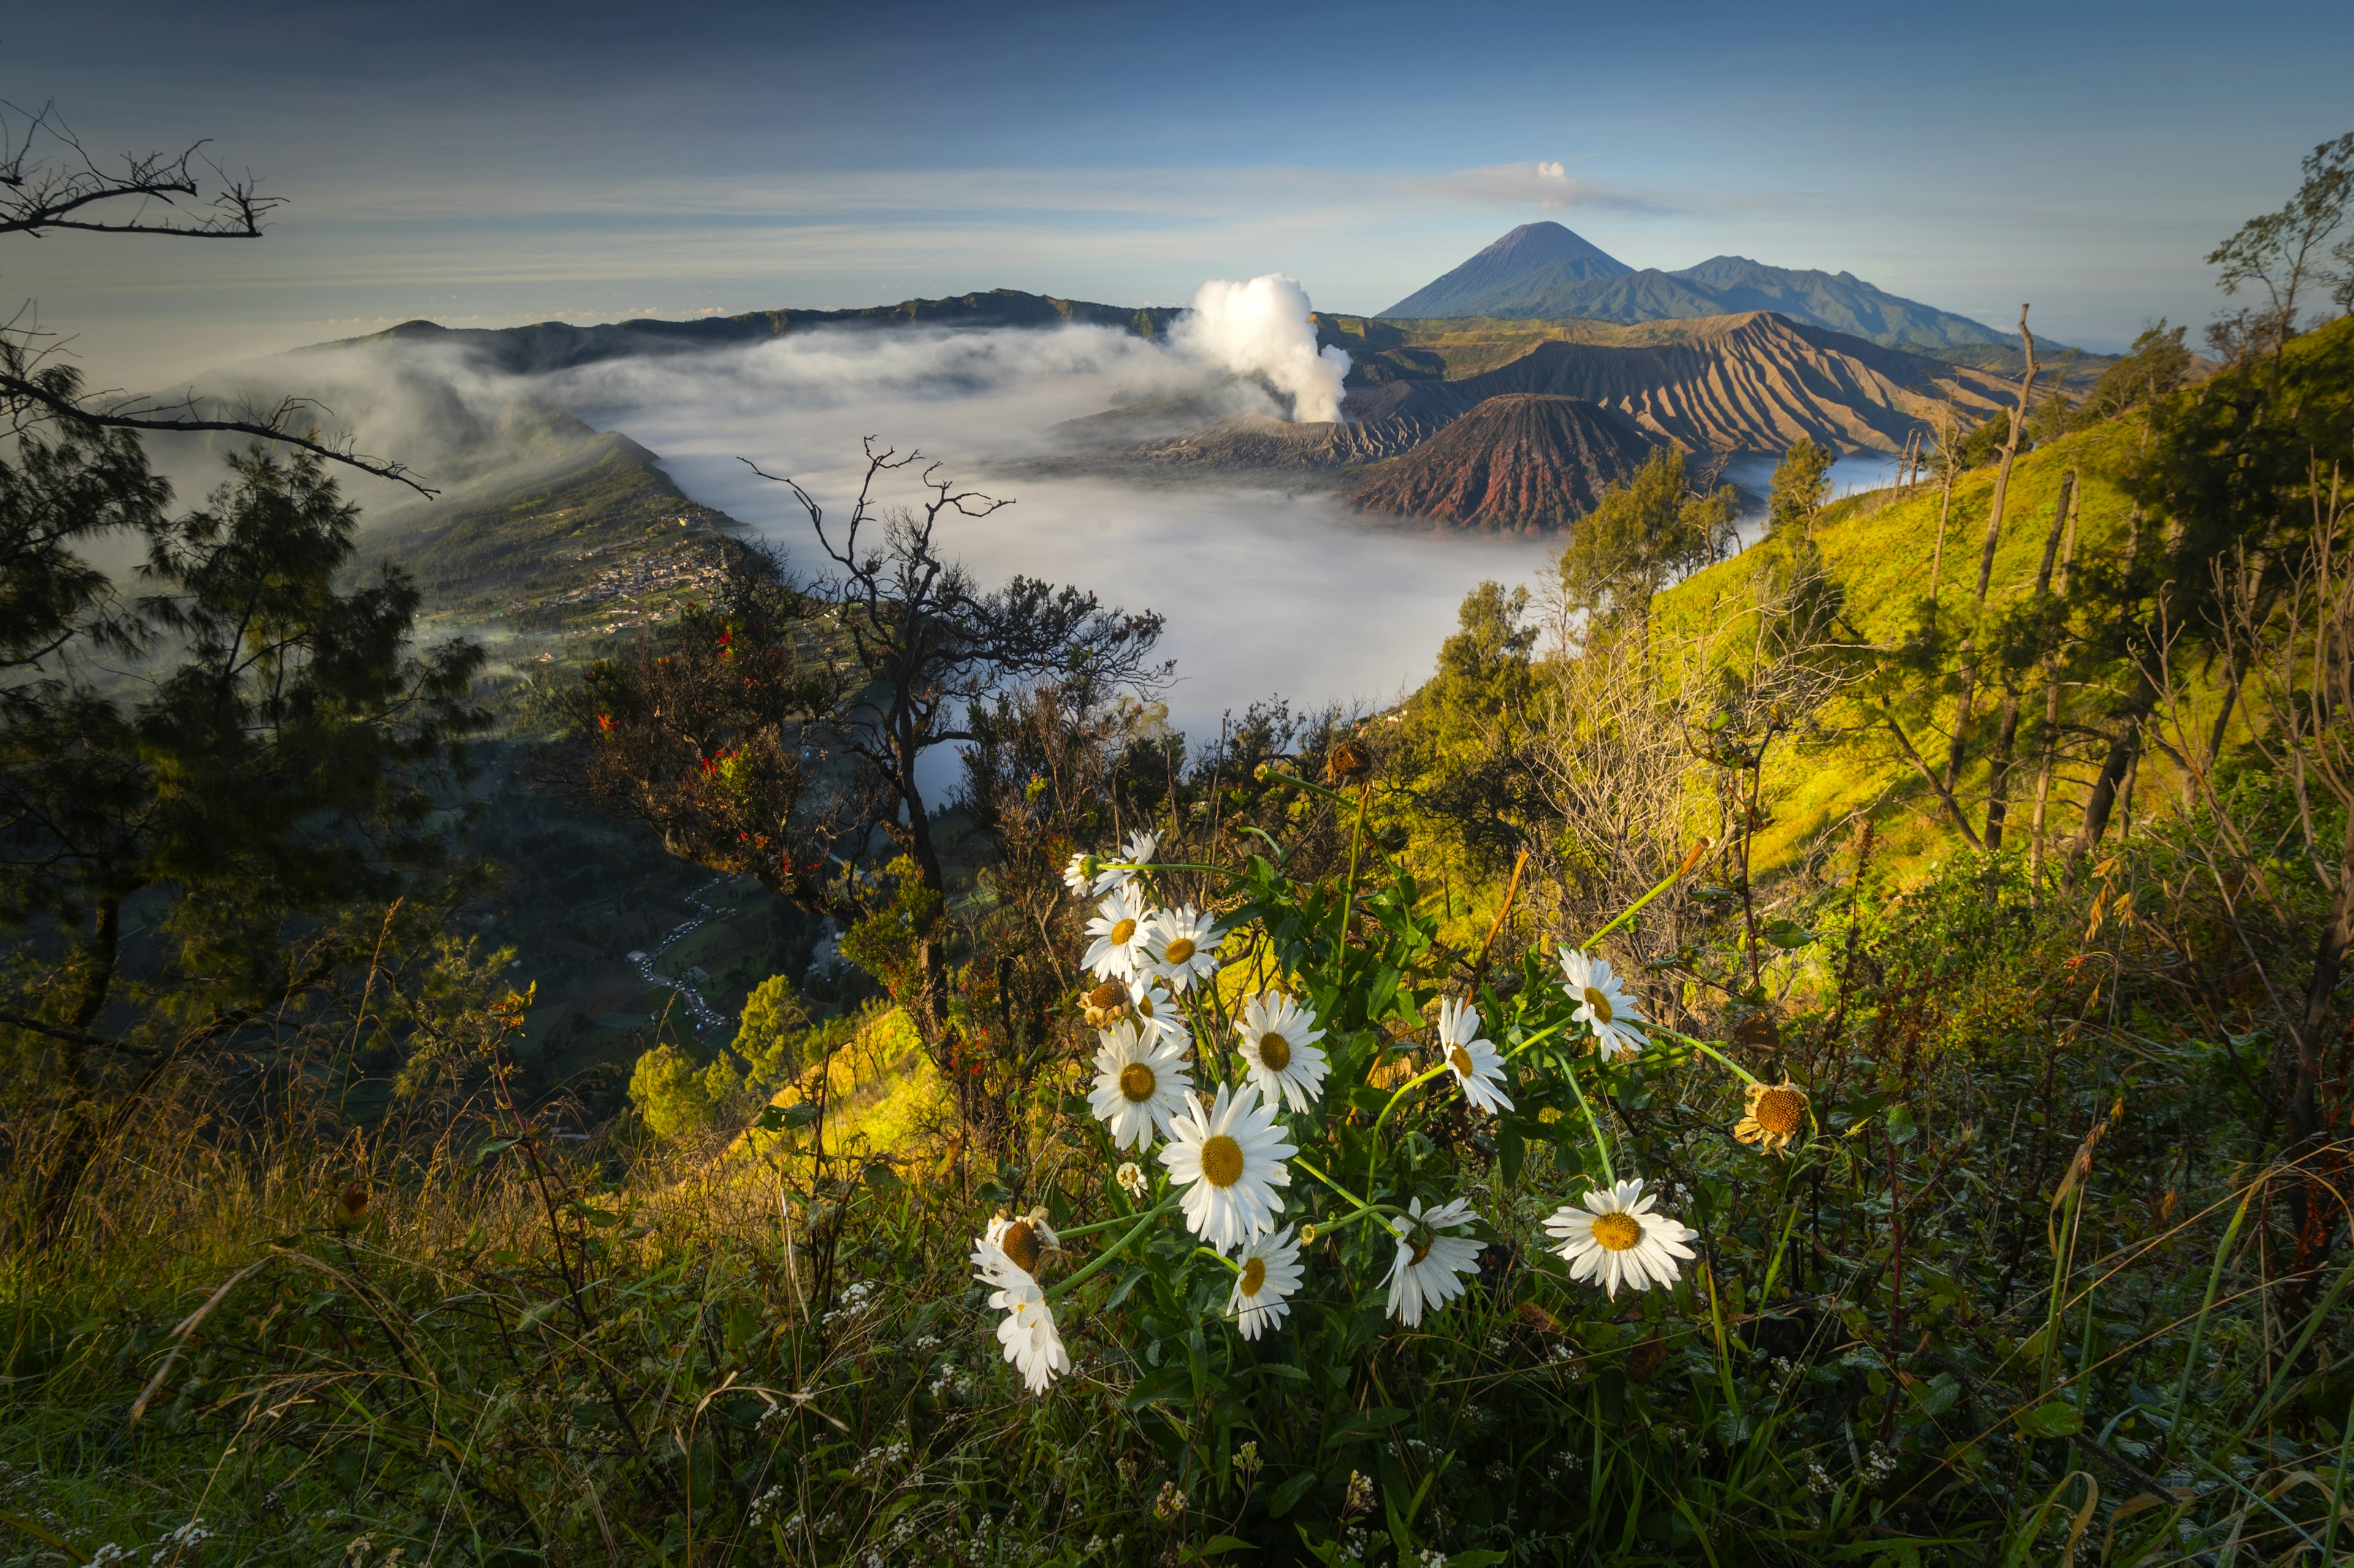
1268,587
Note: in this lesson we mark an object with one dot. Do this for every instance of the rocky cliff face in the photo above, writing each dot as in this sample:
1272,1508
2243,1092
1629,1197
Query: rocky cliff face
1746,383
1519,460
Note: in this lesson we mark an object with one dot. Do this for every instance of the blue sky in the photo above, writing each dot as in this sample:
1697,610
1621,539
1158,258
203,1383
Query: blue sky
494,165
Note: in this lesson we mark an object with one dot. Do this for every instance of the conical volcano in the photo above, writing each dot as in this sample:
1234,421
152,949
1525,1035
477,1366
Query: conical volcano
1523,460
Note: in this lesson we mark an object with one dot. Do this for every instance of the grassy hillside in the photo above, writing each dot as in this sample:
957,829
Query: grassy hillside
1880,552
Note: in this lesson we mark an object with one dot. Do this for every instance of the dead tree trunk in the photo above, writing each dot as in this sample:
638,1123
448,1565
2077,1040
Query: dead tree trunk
2052,693
1970,655
1998,782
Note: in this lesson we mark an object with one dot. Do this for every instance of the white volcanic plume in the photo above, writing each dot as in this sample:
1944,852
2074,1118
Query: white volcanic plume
1261,328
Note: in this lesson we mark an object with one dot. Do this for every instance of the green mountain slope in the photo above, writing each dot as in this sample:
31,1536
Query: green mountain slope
1879,556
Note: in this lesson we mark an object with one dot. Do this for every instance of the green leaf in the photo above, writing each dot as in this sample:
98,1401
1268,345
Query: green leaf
1279,1503
1365,1423
1789,935
799,1116
1478,1557
994,1192
2053,1420
1218,1546
493,1148
1900,1129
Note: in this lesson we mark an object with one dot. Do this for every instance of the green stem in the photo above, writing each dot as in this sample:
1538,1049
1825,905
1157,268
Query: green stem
1304,1165
1092,1226
1349,889
1403,1090
1537,1038
1231,1265
1635,908
2338,1495
1746,1075
2199,1328
1096,1263
1166,865
1601,1144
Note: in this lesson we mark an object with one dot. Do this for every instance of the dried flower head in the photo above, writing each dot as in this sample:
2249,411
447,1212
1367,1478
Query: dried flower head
1351,762
1773,1116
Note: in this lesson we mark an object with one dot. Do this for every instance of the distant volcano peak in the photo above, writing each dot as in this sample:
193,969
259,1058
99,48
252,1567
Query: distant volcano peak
1545,252
1532,244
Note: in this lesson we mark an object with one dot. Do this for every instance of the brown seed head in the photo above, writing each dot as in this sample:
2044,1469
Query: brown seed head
1780,1110
1351,762
1020,1242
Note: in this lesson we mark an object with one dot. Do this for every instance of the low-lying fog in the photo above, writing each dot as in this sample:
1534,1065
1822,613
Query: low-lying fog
1264,590
1266,587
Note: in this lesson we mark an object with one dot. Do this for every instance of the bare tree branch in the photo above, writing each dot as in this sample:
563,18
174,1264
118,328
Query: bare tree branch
68,189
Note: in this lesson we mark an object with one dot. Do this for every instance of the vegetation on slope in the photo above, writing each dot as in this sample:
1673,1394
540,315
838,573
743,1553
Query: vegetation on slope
2038,1254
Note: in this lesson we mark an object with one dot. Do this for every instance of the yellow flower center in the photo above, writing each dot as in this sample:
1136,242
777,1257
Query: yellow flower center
1020,1242
1460,1060
1780,1111
1137,1081
1178,951
1144,1006
1597,1001
1121,931
1618,1232
1254,1276
1222,1160
1273,1051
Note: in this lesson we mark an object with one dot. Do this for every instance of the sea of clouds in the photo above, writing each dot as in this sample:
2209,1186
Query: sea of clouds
1267,589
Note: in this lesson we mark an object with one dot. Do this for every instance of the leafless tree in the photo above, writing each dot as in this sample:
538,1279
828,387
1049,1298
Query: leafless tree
50,183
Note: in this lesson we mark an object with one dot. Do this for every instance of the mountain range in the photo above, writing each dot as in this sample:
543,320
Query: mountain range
1543,271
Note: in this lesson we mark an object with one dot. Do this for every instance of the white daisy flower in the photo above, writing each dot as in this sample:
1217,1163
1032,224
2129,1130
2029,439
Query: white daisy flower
1616,1239
1181,946
1431,1259
1119,930
1033,1343
1156,1010
1134,1182
1229,1157
1478,1067
1279,1045
1006,1259
1139,850
1009,1252
1603,1004
1143,1085
1079,873
1270,1274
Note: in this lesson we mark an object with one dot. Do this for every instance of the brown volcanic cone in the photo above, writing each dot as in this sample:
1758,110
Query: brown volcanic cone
1523,460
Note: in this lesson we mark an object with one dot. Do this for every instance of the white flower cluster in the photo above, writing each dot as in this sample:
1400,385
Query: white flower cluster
1228,1149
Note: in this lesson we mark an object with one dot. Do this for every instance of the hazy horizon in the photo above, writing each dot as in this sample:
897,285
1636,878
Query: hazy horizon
601,163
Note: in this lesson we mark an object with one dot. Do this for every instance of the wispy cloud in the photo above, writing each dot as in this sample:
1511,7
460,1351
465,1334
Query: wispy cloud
1546,185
